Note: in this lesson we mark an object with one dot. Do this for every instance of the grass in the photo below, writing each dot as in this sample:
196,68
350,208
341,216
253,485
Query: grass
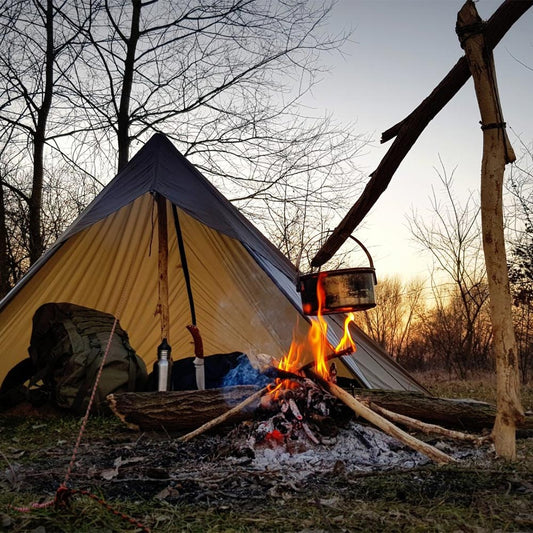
491,496
475,501
479,387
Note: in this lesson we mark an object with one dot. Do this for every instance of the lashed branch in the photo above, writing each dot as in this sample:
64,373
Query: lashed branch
408,130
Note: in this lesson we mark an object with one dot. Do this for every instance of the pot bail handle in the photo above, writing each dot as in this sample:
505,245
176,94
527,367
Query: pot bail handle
368,256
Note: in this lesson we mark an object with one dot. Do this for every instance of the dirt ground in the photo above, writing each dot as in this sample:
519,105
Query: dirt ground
231,480
223,466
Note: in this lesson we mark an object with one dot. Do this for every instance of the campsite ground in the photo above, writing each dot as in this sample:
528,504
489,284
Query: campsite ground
478,495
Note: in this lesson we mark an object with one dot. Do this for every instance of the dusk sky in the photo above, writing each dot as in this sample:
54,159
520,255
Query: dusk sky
399,51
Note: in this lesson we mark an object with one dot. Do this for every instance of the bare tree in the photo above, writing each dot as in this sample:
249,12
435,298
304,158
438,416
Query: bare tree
32,68
86,80
225,81
15,206
5,283
441,331
453,239
397,307
519,184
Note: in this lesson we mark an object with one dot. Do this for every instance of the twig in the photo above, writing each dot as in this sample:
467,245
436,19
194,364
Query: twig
225,416
427,428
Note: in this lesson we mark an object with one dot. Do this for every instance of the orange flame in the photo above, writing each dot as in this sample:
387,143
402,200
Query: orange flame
318,332
316,341
347,343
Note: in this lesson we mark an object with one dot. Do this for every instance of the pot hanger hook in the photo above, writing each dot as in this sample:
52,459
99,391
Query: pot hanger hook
368,256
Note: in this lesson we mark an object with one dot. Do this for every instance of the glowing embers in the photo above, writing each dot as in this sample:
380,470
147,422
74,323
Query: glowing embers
300,414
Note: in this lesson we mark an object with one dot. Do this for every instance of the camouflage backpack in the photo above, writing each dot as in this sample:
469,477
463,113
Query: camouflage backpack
67,345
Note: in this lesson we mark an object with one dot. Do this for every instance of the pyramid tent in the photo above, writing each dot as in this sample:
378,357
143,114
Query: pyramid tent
244,289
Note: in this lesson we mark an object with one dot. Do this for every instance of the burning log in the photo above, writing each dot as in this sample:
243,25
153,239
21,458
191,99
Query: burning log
329,357
295,414
388,427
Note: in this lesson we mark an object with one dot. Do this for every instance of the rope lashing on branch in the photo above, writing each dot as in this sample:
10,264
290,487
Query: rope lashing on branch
493,126
468,31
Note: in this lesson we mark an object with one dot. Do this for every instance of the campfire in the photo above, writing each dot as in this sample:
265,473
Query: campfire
301,408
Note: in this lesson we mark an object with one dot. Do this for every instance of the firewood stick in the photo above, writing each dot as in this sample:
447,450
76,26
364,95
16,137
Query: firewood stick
385,425
345,351
225,416
425,427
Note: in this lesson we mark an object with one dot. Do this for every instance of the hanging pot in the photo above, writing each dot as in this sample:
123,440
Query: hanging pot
344,291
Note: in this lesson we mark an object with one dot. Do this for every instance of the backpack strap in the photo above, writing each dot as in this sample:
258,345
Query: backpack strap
76,341
92,366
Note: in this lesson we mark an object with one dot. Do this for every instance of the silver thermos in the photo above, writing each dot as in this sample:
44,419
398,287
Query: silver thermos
164,366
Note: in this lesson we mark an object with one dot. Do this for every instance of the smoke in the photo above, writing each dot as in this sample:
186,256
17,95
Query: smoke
244,374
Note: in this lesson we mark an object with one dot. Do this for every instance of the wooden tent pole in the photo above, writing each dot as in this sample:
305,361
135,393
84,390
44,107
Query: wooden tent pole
497,151
162,265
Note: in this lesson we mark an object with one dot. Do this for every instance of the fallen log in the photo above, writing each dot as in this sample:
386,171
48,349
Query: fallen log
179,410
462,414
187,410
228,415
428,429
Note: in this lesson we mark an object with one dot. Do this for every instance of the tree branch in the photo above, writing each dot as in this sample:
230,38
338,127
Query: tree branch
409,129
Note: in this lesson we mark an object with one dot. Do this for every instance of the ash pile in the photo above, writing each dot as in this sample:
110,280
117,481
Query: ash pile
301,429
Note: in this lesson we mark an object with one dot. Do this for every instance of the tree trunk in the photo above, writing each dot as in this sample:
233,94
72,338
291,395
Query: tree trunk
39,139
497,151
123,118
464,414
4,266
183,410
179,410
